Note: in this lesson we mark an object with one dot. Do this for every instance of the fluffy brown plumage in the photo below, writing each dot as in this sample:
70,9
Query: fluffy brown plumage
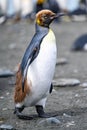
45,17
19,95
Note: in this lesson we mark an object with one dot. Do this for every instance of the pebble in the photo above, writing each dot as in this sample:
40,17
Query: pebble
49,121
6,127
2,19
75,71
4,109
66,115
6,73
2,97
71,123
76,95
7,93
61,61
12,46
84,85
66,82
85,89
1,120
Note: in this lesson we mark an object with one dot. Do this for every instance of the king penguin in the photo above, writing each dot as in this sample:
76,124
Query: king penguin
36,71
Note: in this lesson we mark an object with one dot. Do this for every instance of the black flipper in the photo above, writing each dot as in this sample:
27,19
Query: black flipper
32,51
30,60
51,88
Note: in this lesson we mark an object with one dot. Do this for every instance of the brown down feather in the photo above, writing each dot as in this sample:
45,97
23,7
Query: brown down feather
19,95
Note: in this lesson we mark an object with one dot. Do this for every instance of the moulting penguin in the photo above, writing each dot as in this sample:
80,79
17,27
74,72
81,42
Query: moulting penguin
36,71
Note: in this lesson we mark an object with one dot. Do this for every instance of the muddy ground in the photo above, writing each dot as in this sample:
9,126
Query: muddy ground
69,103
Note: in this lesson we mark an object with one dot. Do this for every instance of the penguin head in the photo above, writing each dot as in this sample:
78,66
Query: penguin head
45,17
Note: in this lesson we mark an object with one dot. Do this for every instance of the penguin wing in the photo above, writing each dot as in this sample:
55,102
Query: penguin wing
30,54
51,88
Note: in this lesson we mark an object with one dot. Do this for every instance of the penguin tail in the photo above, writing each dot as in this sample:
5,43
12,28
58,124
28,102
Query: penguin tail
19,95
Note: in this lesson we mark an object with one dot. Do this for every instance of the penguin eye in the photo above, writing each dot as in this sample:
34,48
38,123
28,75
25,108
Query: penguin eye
45,17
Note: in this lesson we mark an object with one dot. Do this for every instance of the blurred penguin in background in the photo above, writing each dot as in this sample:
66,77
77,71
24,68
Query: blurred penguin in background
62,5
10,9
54,6
76,7
26,8
3,6
3,9
80,43
17,7
40,5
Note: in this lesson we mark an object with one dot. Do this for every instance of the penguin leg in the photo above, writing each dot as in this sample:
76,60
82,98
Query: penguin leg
41,112
40,108
18,111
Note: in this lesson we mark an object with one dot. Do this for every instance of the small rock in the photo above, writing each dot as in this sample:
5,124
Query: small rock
71,123
78,18
6,73
6,127
7,93
12,46
76,95
75,71
66,82
61,61
66,115
1,97
1,120
49,121
85,89
2,19
4,109
84,84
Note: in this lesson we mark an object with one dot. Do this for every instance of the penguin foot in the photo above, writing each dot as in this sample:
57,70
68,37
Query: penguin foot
17,111
41,112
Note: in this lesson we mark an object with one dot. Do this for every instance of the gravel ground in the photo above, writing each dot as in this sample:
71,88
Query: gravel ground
68,103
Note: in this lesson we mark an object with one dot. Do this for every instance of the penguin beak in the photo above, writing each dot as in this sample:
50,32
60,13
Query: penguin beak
54,16
59,15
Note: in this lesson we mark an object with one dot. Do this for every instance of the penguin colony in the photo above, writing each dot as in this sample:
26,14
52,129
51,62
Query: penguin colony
36,71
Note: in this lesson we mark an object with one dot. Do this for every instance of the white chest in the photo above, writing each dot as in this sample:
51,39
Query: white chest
42,69
47,56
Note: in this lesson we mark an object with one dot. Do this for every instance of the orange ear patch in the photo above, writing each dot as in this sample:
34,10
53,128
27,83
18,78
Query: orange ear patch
19,95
